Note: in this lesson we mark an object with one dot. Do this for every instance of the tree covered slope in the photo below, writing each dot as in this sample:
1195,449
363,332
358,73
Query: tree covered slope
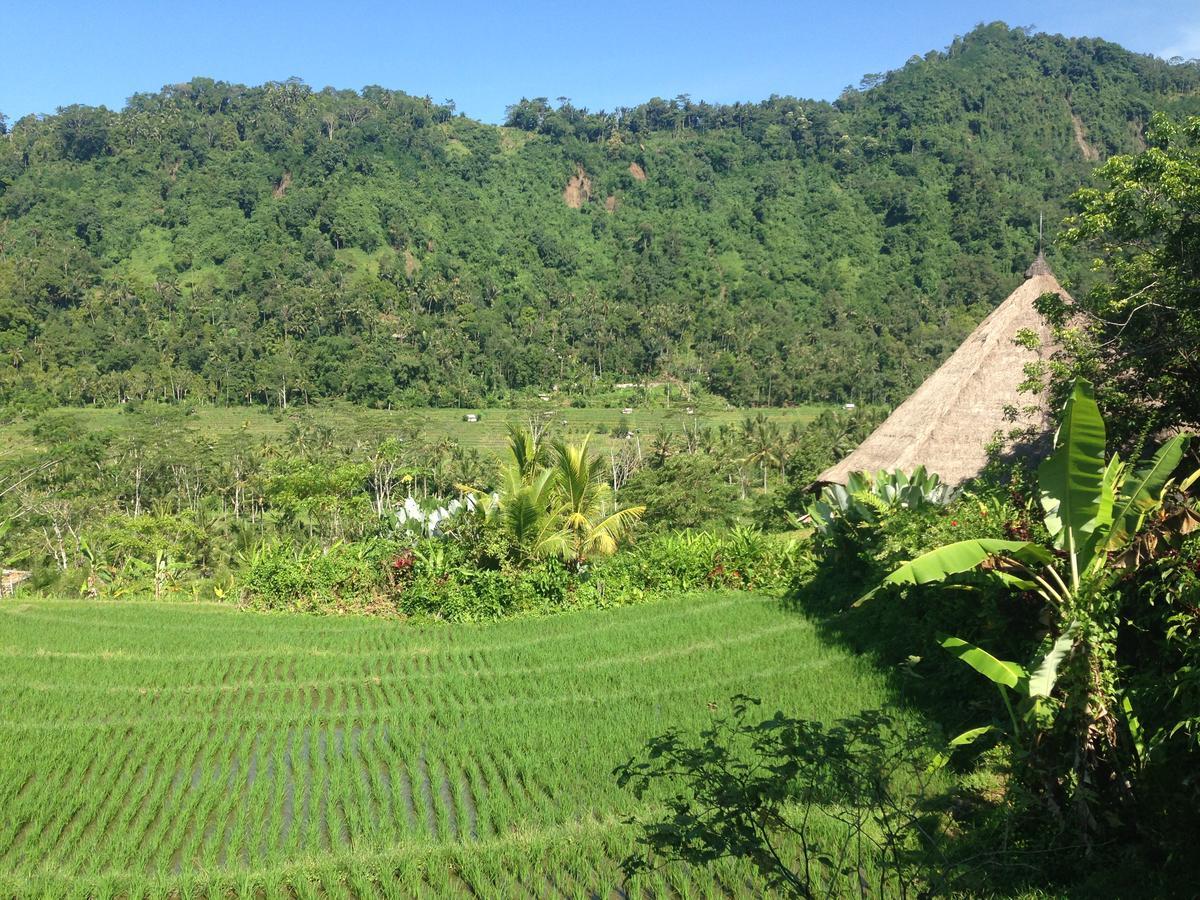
274,243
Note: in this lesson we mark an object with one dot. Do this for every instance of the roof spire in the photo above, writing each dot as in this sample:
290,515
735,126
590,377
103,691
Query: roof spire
1039,266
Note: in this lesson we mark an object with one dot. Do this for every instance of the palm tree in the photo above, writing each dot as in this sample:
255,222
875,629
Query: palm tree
763,441
562,505
591,520
528,512
527,452
662,447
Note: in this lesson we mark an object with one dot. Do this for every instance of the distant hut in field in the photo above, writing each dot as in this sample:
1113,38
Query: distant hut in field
11,579
950,419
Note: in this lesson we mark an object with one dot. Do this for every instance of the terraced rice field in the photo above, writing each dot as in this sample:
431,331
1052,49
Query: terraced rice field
355,423
195,750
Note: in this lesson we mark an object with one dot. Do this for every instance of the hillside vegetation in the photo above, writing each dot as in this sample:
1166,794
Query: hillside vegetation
276,243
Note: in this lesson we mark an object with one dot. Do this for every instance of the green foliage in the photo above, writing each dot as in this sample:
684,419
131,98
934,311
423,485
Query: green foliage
937,565
1013,748
477,572
1075,492
1170,693
1030,687
1079,492
1144,312
741,558
1143,491
92,500
316,497
556,501
592,523
846,518
686,491
1089,722
282,244
337,579
830,437
848,795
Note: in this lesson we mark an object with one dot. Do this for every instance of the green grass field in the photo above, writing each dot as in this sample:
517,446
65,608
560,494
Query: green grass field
356,423
194,750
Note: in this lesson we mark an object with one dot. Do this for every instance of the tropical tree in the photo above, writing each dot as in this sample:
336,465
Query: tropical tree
557,501
1093,509
527,451
1144,315
592,522
528,511
762,439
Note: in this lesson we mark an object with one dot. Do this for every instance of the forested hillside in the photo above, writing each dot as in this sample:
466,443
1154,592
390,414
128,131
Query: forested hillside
274,244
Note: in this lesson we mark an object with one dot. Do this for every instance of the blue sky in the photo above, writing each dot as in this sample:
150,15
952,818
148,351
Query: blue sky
486,55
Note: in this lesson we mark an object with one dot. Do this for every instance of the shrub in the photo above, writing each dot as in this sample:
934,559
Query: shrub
341,577
903,636
686,491
697,560
820,810
847,518
475,570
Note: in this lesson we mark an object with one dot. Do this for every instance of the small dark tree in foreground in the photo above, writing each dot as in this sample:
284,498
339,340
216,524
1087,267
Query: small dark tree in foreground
819,810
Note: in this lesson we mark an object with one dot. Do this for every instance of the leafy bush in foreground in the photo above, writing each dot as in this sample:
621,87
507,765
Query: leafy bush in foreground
1072,694
819,809
1095,743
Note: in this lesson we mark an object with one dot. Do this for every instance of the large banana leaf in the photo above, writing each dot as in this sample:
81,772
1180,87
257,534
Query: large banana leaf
995,670
1143,491
1072,478
1096,532
971,736
962,556
1014,582
1110,482
967,737
1045,673
1184,485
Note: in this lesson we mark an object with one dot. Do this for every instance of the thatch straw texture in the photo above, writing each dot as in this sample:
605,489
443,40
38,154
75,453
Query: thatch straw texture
948,421
11,579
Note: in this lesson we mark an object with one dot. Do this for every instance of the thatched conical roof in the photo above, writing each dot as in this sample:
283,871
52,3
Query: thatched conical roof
948,421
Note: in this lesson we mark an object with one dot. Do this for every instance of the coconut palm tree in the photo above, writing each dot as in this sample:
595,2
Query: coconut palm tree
762,444
591,520
662,447
559,503
527,453
529,513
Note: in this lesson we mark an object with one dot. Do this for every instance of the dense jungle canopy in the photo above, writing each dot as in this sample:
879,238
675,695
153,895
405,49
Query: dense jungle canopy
273,244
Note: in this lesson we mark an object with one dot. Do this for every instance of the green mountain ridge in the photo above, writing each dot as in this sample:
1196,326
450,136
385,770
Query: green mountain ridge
274,243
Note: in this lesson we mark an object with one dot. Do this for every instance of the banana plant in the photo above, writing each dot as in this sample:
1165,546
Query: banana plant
865,496
1030,686
845,516
1093,508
